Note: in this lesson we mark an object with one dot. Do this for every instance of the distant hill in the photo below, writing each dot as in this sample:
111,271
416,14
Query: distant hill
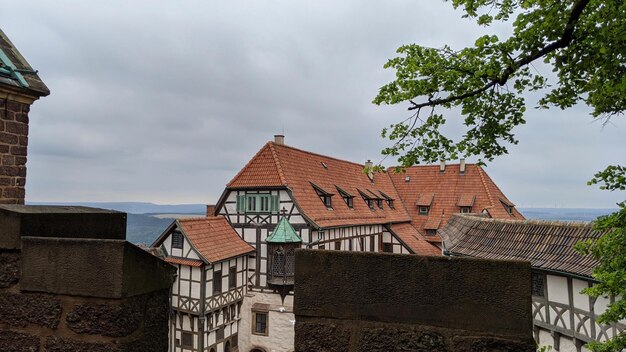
564,214
137,207
143,225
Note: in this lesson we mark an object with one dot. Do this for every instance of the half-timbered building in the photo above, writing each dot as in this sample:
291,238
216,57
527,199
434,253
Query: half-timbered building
564,317
329,204
208,293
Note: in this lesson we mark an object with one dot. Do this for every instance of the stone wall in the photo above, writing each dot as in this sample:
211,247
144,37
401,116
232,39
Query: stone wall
78,289
347,301
13,144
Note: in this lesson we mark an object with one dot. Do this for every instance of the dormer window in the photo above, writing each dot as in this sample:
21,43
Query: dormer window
431,232
507,205
377,200
368,199
465,203
325,197
388,199
424,202
347,197
466,210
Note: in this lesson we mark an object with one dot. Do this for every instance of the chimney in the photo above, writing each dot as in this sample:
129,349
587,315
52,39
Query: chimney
210,210
279,139
442,165
462,166
370,173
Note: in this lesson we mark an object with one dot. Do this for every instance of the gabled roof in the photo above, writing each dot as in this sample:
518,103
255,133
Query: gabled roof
277,165
413,239
212,237
15,72
548,245
445,192
283,233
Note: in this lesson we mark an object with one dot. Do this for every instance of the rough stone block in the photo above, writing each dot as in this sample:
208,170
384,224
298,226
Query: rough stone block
9,269
56,344
115,320
324,336
23,309
391,339
490,344
91,267
18,342
58,221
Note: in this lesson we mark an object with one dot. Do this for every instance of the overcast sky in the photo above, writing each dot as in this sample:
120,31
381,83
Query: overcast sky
164,101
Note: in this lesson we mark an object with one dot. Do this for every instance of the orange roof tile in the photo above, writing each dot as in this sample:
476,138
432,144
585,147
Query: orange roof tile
432,223
450,190
412,238
183,261
280,165
214,238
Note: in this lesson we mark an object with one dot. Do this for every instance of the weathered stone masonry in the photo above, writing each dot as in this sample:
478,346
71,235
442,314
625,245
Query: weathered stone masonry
13,148
70,283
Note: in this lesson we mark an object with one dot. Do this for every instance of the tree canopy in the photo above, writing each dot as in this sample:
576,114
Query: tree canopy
584,41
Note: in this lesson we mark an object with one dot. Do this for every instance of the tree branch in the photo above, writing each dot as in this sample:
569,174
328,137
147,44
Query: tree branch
564,41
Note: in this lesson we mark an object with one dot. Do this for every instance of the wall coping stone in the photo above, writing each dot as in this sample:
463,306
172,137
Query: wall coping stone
58,221
91,267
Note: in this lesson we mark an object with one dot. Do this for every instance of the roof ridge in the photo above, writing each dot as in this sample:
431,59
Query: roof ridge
482,179
561,223
281,174
243,169
316,154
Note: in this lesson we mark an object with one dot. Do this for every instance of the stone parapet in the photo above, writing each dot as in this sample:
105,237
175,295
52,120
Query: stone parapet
377,302
78,286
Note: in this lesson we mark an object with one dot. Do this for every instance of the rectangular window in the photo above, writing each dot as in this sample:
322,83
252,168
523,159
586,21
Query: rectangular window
187,339
177,240
466,210
372,241
232,277
379,203
337,245
217,282
387,247
257,203
259,326
423,210
219,334
322,246
431,232
538,288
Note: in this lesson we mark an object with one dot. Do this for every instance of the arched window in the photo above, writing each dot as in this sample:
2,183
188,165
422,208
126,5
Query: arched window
227,346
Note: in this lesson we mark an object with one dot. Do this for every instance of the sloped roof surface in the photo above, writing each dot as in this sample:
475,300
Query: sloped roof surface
446,190
183,261
412,238
16,61
547,245
214,238
280,165
283,233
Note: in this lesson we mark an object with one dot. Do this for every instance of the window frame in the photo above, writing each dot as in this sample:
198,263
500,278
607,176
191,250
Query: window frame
232,277
538,278
466,210
255,322
217,277
347,197
386,246
178,241
183,343
421,210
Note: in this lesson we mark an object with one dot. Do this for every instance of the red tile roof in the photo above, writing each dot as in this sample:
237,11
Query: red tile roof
447,191
214,238
283,166
413,239
183,261
547,245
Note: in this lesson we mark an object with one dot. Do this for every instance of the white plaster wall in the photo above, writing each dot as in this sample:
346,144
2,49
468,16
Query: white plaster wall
557,289
281,328
566,343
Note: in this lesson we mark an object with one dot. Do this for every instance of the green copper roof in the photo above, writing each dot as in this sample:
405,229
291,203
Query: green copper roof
283,233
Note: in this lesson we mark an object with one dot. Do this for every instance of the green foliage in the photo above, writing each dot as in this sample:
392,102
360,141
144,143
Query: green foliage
583,40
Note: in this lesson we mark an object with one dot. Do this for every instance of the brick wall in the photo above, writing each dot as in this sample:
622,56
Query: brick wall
76,286
13,145
367,302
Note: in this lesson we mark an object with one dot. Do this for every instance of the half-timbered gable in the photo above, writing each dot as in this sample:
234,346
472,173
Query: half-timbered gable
212,262
563,316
